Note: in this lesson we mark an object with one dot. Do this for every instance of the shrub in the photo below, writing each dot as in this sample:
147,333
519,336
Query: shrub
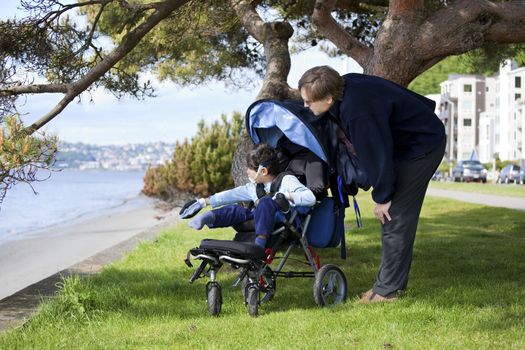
199,167
22,154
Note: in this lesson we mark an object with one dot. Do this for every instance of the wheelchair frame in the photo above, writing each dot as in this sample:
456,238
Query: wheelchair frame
256,276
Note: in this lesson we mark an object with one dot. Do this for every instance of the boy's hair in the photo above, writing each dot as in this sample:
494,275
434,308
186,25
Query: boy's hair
263,155
321,82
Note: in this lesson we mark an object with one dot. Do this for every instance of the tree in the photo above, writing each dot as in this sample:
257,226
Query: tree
193,41
416,34
51,46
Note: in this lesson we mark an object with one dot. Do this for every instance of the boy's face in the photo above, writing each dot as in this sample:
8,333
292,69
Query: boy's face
317,107
257,177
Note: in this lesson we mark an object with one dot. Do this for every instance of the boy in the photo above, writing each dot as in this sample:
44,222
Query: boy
262,170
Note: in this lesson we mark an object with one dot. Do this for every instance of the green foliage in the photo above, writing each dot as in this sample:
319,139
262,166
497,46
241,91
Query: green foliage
201,166
428,82
445,166
22,155
487,60
484,61
200,42
76,300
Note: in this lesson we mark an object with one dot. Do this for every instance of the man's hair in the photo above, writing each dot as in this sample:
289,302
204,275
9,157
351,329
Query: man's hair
263,155
321,82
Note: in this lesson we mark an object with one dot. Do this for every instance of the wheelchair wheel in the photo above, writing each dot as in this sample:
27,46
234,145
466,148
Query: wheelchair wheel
214,295
268,284
329,286
252,300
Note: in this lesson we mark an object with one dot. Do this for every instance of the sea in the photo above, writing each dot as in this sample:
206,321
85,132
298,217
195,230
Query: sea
66,196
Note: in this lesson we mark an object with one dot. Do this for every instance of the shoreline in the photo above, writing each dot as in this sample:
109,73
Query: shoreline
43,253
125,205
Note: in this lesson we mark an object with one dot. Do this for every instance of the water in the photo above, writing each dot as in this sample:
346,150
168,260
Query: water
64,197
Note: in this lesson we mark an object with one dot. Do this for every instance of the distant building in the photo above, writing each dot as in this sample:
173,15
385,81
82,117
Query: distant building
462,101
485,114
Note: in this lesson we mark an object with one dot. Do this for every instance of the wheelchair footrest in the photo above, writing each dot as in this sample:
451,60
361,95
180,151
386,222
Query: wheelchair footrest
242,250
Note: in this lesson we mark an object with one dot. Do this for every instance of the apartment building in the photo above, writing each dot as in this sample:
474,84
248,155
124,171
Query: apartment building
462,101
485,114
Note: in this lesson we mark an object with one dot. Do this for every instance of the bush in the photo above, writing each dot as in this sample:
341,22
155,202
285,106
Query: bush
199,167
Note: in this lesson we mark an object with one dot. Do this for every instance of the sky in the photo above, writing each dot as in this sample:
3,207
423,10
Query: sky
170,116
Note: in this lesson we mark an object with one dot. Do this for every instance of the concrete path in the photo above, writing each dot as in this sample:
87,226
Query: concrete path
477,198
20,306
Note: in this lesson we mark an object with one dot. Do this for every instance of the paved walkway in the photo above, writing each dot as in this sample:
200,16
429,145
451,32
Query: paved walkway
17,308
477,198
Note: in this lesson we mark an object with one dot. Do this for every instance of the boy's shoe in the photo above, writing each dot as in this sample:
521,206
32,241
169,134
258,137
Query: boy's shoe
191,208
282,202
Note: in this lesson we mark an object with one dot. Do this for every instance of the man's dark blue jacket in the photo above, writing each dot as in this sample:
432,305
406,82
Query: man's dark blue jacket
387,124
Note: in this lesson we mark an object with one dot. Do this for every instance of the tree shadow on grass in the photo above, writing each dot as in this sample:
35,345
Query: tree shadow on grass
149,293
471,258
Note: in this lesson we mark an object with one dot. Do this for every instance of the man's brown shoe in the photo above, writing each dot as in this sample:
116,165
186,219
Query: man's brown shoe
376,298
366,295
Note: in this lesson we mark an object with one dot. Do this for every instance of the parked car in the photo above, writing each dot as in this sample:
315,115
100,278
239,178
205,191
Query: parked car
510,173
521,178
469,170
438,176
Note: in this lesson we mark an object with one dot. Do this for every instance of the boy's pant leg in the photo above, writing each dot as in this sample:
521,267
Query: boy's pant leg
264,215
231,215
398,235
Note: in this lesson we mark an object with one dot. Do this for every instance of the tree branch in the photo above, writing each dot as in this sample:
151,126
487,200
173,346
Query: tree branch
249,18
466,25
326,25
405,7
510,28
274,37
53,15
140,7
34,89
89,39
129,41
359,5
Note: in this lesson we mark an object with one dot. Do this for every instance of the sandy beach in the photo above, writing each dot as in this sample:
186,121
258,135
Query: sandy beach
31,259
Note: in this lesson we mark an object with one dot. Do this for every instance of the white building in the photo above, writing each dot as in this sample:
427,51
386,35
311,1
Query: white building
462,101
485,114
487,122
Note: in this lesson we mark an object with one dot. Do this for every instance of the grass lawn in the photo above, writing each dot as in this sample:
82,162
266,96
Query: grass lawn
511,190
467,291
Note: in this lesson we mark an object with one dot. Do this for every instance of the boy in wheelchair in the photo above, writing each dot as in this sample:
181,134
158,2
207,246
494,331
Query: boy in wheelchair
270,191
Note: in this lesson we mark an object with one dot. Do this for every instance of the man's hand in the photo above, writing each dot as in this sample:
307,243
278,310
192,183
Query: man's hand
381,212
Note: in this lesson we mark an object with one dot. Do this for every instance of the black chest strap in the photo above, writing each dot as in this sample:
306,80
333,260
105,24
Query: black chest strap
274,187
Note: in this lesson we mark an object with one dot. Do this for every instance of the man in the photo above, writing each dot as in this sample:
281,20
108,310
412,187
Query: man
399,142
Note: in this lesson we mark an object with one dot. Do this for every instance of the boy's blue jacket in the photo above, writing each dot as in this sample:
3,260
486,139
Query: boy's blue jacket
386,124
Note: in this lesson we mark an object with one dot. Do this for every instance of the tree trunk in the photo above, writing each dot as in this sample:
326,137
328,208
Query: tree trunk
393,56
274,36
